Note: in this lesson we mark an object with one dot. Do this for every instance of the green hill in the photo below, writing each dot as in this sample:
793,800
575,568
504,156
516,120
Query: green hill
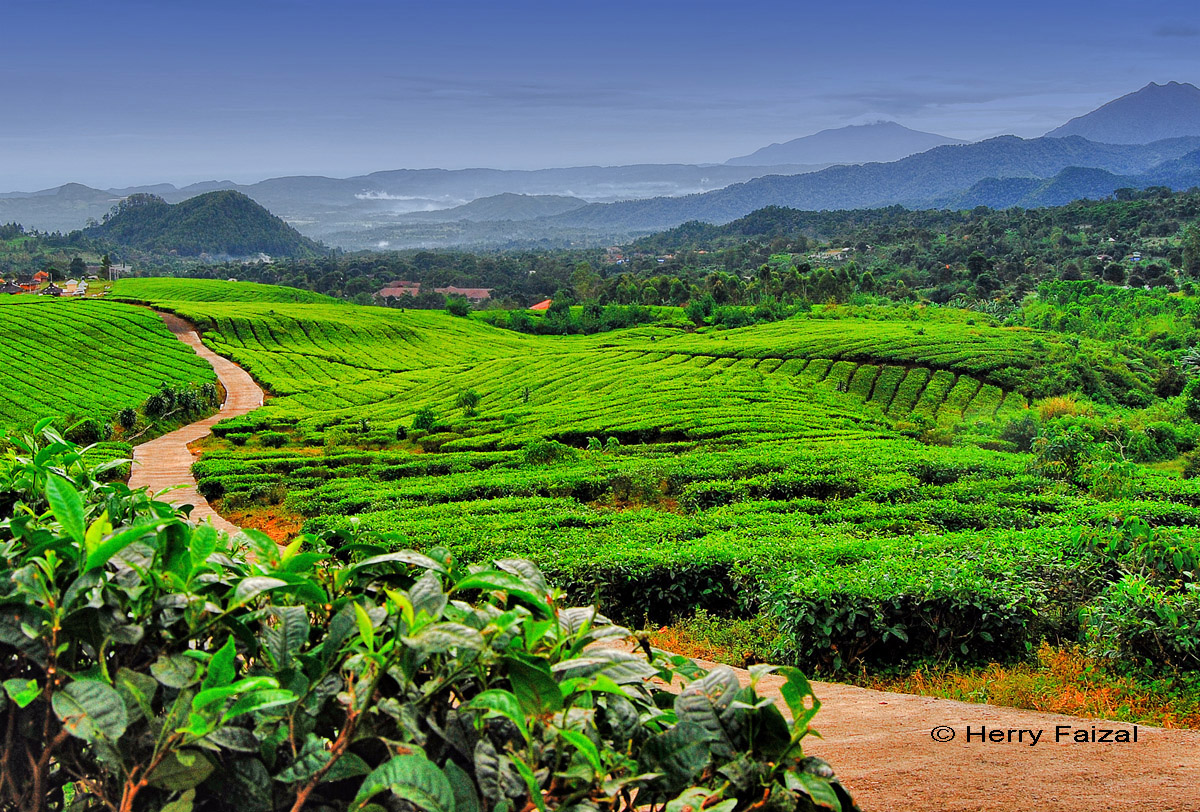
224,223
153,290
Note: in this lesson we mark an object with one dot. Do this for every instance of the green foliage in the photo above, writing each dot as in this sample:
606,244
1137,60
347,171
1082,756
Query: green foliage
168,289
458,306
468,401
152,664
273,439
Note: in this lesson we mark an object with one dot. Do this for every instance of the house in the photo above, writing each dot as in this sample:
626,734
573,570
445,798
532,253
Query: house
52,290
11,287
472,295
41,276
401,288
70,287
28,283
543,305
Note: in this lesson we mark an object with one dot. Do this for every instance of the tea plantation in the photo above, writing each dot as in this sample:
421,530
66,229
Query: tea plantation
86,359
856,481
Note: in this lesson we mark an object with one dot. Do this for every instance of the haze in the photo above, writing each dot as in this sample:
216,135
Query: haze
124,92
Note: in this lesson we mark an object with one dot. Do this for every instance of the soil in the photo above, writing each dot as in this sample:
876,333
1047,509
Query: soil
166,461
882,748
880,744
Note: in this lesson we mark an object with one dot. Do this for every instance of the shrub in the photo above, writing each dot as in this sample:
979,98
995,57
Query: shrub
1191,465
424,419
127,419
457,306
273,439
468,401
1055,407
239,438
149,663
545,452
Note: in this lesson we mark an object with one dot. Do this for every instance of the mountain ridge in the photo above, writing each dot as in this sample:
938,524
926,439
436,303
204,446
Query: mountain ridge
1153,113
878,142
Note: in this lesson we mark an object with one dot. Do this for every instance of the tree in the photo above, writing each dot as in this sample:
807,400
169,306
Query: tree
1114,274
105,266
468,401
1191,399
457,306
1191,250
78,268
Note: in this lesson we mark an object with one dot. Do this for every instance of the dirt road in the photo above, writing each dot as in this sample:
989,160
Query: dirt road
166,461
882,747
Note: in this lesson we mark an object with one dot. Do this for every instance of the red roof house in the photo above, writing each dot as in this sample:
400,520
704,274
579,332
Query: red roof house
543,305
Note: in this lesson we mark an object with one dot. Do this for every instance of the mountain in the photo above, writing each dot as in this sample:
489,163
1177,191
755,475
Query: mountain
321,206
917,181
1151,114
882,141
506,206
221,224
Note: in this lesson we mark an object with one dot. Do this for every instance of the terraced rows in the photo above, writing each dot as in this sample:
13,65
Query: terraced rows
86,357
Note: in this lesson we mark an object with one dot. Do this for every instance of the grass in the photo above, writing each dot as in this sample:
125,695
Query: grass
1059,680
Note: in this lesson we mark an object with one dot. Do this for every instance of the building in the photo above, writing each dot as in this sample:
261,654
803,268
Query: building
401,288
472,295
52,290
543,305
11,287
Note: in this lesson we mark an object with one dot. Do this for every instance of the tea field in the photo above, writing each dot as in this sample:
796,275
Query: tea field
86,359
843,478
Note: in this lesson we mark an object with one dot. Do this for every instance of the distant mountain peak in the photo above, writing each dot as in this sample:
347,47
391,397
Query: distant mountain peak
1153,113
877,142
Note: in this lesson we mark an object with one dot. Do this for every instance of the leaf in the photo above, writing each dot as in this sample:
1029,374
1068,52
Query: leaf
97,530
288,635
690,799
348,766
251,785
466,798
365,627
220,667
528,572
112,545
427,596
257,701
67,507
174,672
207,696
703,703
502,703
413,778
535,689
818,789
235,738
401,557
680,751
137,690
794,692
250,588
497,580
311,758
437,638
586,747
531,782
180,770
89,709
22,692
181,804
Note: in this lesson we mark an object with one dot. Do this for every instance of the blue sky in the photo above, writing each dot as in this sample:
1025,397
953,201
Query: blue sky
136,91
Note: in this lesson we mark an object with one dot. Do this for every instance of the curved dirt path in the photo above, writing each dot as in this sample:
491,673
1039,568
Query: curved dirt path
881,747
167,461
879,743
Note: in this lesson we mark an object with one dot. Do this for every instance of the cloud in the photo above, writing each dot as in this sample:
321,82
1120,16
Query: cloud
1177,29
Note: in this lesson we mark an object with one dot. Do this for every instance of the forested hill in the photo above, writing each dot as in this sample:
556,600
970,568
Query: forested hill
223,223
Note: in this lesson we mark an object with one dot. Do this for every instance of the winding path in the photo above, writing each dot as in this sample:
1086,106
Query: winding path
879,743
166,461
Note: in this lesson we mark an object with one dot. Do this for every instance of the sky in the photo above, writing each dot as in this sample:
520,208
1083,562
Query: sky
129,92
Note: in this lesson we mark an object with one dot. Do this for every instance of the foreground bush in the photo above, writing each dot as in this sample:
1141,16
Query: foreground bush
151,664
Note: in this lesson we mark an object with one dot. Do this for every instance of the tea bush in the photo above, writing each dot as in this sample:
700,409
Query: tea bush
152,664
